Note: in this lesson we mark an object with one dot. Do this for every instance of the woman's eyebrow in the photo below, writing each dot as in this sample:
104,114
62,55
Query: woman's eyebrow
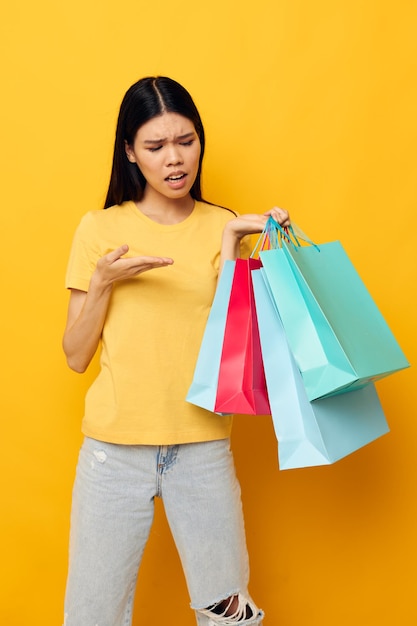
180,137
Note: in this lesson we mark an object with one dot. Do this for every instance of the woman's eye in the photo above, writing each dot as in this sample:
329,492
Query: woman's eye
155,149
187,143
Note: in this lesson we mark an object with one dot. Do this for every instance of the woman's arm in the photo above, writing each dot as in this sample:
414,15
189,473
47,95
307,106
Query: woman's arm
243,225
87,310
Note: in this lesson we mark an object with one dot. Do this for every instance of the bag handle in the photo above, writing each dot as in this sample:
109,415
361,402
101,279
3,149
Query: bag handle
273,236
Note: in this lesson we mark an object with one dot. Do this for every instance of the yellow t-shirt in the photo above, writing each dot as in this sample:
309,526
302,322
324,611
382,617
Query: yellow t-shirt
154,325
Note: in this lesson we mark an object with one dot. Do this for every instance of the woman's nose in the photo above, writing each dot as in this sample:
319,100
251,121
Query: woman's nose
174,155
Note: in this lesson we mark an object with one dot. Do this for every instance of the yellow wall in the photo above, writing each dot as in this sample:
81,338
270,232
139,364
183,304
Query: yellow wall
309,105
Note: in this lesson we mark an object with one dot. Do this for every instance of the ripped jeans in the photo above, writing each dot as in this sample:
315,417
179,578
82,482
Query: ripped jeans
112,513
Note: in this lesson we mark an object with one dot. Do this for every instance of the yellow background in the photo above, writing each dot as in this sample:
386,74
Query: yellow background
308,105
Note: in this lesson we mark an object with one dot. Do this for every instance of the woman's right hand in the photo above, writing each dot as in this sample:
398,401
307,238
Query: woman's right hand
114,266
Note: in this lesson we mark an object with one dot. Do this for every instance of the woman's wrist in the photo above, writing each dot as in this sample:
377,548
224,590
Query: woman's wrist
230,249
99,284
233,230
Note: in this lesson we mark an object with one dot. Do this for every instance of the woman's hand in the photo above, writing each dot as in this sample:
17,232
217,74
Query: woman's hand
250,224
280,215
114,266
247,224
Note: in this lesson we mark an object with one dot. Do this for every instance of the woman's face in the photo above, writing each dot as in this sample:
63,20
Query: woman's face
167,151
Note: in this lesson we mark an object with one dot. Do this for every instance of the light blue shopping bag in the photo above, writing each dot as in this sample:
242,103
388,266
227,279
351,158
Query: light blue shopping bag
309,433
337,334
203,389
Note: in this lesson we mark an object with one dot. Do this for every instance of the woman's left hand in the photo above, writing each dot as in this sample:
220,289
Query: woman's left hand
247,224
280,215
252,223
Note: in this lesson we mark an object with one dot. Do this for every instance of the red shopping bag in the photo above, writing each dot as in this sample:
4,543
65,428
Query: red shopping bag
241,386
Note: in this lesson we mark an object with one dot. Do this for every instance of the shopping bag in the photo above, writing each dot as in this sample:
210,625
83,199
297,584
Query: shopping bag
203,389
241,386
337,334
309,433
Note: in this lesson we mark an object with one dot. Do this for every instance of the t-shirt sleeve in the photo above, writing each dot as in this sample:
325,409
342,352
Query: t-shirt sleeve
84,255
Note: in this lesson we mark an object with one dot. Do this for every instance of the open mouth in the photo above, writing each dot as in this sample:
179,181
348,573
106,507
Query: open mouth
176,178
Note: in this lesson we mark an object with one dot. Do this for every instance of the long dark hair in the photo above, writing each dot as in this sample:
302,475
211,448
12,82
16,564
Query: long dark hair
146,99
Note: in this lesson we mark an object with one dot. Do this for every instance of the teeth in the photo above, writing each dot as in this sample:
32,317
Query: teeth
175,177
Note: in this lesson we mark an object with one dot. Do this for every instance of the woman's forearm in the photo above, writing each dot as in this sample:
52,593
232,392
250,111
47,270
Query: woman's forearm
86,316
87,310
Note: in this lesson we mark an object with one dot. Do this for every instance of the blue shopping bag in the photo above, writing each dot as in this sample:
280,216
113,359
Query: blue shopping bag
337,334
203,389
309,433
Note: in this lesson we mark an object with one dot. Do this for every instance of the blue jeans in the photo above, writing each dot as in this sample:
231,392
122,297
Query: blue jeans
112,513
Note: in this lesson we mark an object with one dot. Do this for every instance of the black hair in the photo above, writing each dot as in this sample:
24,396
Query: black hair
148,98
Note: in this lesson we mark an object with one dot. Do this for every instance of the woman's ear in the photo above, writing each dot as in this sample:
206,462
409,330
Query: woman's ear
130,153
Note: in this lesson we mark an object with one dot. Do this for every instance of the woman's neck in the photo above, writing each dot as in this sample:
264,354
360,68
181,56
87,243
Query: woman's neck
165,210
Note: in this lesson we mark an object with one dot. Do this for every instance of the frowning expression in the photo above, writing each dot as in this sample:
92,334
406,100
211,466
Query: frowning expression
167,151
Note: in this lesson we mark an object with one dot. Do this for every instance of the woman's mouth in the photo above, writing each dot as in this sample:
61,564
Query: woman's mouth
176,180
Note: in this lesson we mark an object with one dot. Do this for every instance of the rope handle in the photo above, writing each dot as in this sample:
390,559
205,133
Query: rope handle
274,236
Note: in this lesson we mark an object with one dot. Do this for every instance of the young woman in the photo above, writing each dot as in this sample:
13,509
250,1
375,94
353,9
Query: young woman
142,275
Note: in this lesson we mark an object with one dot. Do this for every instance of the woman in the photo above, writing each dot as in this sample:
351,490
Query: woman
142,276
